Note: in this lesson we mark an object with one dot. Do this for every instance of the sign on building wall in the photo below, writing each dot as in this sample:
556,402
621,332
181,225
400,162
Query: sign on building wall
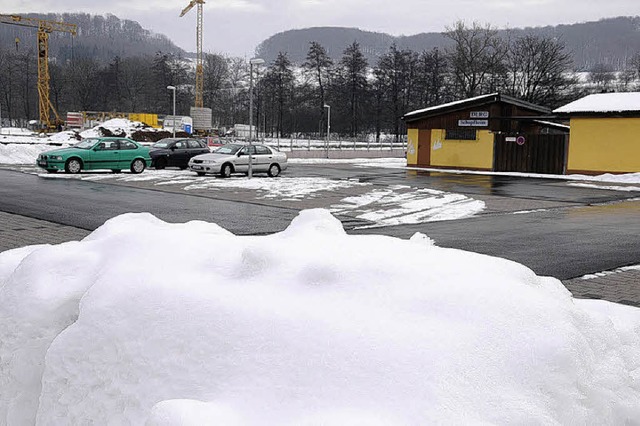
473,123
479,114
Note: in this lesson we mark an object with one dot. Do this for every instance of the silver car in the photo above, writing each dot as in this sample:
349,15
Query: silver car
234,158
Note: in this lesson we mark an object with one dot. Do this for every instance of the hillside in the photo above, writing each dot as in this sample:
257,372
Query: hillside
609,41
99,37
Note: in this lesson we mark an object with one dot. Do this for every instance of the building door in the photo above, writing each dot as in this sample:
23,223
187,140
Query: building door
424,147
544,154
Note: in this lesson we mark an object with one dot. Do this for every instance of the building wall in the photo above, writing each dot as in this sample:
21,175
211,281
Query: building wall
466,154
598,145
412,147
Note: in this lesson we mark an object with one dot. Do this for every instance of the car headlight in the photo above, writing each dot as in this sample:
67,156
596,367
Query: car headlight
209,161
55,157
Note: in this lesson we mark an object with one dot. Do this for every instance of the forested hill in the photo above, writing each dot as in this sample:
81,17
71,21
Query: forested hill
99,37
608,41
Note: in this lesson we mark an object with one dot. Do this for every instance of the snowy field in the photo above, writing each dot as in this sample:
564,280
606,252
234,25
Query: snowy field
192,325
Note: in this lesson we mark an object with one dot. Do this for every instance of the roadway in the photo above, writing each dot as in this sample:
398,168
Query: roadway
577,230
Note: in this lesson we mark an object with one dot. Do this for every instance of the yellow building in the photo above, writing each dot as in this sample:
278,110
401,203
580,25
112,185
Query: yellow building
491,132
605,133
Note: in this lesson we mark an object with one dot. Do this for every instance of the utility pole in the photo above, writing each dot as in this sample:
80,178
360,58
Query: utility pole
252,62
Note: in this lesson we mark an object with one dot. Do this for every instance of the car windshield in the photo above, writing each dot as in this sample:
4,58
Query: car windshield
163,143
86,144
229,149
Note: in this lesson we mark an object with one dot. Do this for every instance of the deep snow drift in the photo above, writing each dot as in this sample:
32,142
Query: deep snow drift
145,321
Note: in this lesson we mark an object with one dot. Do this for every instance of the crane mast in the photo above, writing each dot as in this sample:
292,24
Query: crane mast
44,29
199,67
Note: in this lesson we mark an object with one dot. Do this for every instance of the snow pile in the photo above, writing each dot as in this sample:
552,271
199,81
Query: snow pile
15,131
307,326
22,154
120,127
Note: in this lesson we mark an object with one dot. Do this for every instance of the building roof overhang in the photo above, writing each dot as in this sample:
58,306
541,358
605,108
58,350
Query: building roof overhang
473,102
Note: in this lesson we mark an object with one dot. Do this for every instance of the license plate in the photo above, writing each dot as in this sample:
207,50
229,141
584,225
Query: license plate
42,163
196,167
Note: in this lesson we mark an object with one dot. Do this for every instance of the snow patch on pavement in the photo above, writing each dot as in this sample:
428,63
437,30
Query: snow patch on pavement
403,204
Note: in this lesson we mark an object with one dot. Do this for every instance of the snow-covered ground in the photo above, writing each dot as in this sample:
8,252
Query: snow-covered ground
145,322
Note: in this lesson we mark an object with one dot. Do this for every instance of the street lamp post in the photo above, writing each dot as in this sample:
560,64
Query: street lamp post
173,89
252,62
328,107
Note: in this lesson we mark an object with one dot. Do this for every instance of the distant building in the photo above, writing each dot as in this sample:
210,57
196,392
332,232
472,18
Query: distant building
605,133
492,132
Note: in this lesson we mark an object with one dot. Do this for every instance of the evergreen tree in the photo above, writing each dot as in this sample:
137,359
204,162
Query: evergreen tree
352,76
319,65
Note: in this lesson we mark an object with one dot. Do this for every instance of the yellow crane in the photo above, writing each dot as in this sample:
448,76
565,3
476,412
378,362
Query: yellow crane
199,67
44,29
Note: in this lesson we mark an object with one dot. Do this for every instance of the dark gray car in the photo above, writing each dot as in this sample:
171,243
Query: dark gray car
176,152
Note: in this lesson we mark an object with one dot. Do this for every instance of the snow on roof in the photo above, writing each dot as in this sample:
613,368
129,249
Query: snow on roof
450,104
552,124
603,103
496,97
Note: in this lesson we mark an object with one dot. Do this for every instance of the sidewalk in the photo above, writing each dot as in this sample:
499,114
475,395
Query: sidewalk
18,231
620,286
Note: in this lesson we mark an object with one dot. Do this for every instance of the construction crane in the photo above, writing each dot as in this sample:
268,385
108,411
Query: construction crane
199,67
44,29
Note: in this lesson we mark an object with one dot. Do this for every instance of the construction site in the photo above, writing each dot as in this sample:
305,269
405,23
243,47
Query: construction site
50,120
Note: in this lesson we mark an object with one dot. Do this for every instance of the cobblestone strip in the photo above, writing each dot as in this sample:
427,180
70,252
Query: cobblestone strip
19,231
620,286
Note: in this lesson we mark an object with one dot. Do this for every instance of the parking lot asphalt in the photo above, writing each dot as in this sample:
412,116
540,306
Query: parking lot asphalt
548,225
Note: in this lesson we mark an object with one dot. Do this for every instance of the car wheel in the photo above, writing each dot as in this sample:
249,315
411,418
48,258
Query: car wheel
274,170
73,166
200,173
138,166
226,170
161,163
116,171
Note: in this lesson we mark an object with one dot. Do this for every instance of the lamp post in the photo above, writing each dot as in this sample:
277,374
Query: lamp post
173,89
328,107
252,62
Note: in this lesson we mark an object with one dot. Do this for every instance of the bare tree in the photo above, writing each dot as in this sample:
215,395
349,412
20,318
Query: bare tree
476,58
602,77
395,77
539,70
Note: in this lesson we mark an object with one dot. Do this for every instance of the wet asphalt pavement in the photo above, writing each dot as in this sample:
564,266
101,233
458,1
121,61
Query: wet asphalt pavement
580,231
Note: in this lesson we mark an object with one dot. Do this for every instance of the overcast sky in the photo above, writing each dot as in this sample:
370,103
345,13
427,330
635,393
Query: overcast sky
237,26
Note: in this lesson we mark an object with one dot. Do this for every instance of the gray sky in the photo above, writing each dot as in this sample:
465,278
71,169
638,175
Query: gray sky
237,26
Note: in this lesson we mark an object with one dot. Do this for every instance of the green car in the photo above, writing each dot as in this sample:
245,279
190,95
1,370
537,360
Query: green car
115,154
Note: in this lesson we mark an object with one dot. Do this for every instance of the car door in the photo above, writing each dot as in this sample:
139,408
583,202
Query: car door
242,162
263,158
179,154
106,155
128,151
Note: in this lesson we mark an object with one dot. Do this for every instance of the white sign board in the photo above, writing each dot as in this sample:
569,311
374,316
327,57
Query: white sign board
479,114
473,123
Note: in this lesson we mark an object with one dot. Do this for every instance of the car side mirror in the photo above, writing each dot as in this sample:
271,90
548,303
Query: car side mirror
173,148
240,154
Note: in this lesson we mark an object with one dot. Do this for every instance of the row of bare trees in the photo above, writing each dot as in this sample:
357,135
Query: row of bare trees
290,100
